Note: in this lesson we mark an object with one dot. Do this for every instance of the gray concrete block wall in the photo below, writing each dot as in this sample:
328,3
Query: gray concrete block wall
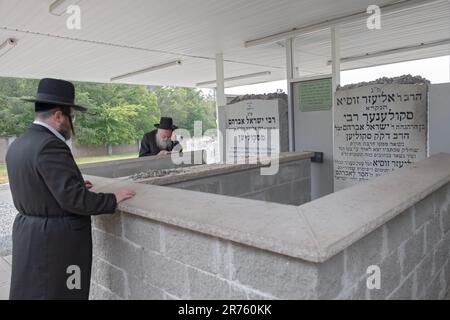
412,251
137,258
150,260
291,185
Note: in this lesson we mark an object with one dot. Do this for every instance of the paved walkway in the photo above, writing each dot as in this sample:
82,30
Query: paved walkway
5,277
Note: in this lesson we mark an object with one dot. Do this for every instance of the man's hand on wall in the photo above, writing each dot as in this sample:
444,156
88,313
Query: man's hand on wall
163,153
124,194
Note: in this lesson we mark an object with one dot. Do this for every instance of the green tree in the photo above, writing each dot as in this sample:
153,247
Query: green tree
187,105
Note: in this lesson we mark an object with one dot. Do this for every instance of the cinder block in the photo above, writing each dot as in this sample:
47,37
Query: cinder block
390,277
141,290
330,274
236,184
300,192
108,277
447,276
205,286
433,233
118,252
238,292
362,254
436,289
143,232
424,274
99,293
445,219
358,291
399,230
195,249
260,195
291,171
261,182
423,211
441,254
441,199
109,223
405,290
166,274
280,193
275,275
412,252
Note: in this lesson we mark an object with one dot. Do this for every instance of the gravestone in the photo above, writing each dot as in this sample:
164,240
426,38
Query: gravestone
378,128
253,127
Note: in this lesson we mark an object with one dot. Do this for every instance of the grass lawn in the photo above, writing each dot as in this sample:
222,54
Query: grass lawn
4,174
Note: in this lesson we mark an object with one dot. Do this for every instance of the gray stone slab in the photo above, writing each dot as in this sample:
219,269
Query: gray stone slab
118,253
274,275
98,292
140,290
424,274
109,277
361,255
412,252
390,277
143,232
330,276
404,291
166,274
203,286
197,250
109,223
423,211
399,229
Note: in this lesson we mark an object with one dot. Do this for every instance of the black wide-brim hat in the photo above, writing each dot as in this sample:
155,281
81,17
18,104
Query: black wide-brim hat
166,124
53,93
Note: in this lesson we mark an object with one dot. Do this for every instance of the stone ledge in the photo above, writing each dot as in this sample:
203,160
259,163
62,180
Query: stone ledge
314,232
203,171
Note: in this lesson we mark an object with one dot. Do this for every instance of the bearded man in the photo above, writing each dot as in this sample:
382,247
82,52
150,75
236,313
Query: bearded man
159,141
51,235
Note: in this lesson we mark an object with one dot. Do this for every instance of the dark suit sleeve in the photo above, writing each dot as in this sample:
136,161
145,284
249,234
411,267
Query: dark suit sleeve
144,151
147,147
60,173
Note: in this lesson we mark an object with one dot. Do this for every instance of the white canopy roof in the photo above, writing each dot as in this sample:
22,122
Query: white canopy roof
118,37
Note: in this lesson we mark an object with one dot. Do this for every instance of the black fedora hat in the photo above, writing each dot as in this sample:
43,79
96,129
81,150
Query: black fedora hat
55,92
166,124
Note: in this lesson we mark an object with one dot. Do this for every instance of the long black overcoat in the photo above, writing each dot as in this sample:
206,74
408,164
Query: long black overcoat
52,240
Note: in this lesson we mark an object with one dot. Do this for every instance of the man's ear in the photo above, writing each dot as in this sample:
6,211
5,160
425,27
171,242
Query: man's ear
58,115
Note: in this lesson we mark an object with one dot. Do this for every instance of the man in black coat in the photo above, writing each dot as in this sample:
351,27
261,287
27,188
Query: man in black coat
159,141
52,241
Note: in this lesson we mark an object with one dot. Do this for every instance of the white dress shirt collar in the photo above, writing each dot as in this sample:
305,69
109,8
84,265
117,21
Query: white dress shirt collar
53,130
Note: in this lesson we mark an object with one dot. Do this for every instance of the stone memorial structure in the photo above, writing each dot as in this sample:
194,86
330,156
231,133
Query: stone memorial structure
378,128
172,243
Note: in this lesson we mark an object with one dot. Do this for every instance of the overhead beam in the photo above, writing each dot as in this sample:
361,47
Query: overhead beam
393,51
387,9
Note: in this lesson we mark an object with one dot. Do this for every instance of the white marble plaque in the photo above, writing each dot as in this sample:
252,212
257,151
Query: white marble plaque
252,128
377,129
